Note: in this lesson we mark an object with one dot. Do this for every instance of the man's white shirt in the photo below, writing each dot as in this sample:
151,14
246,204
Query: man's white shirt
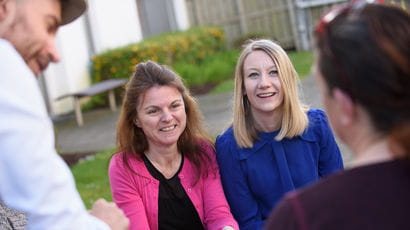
33,178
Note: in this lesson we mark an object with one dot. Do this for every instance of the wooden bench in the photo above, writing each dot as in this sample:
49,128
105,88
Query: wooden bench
101,87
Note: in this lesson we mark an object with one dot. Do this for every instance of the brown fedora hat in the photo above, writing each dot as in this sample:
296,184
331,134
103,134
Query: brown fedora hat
72,9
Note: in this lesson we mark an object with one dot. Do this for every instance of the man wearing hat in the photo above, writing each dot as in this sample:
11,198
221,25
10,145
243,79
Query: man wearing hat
33,178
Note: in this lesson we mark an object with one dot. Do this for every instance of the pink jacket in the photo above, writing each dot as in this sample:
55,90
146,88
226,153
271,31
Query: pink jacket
137,194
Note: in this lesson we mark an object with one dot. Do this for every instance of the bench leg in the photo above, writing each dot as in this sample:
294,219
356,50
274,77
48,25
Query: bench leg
78,114
111,99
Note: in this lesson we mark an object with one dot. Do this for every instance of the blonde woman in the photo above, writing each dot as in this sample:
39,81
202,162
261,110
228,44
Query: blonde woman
275,144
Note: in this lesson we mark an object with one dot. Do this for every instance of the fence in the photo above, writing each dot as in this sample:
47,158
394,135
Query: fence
290,22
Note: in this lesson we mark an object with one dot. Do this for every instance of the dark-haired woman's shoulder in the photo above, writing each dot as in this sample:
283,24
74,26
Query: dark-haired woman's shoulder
351,199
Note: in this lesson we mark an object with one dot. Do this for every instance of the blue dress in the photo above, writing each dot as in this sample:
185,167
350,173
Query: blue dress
254,179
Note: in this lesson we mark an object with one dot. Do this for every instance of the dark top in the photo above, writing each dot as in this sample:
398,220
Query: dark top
369,197
254,179
175,209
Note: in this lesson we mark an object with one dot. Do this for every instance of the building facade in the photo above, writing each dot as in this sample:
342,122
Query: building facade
106,25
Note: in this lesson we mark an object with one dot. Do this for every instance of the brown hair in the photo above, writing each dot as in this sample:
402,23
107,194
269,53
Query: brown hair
366,53
131,139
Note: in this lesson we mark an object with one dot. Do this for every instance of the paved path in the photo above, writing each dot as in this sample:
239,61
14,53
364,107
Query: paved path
98,132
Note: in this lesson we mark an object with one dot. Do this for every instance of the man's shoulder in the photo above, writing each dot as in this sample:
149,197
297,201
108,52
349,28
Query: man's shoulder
10,59
7,48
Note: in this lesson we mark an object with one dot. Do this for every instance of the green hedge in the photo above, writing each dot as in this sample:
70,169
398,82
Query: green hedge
214,69
190,47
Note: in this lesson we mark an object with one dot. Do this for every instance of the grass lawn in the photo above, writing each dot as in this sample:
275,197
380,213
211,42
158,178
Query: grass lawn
302,61
91,176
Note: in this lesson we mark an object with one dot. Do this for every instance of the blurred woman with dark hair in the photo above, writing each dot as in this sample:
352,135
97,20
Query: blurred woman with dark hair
165,175
363,69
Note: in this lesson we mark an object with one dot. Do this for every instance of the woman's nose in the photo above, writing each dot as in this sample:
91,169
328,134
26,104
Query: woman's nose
166,116
264,81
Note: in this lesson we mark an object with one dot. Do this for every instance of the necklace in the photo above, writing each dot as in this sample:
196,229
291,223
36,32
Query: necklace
169,170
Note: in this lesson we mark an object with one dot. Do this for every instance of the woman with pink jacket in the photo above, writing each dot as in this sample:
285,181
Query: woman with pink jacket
165,174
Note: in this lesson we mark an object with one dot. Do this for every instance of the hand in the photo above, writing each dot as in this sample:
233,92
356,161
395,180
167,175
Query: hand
110,214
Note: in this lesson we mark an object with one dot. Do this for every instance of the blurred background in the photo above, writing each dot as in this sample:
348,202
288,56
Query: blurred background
198,39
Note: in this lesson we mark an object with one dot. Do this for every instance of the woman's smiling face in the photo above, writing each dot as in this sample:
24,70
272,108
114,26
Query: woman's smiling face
161,115
262,84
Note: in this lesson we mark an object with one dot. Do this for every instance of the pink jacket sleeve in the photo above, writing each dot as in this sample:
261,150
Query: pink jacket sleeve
216,208
125,193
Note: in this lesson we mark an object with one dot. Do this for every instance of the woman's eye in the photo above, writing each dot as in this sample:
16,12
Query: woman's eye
176,105
152,111
273,72
254,74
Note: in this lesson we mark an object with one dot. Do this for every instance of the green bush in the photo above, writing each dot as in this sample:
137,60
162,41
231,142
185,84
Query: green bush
189,47
213,69
190,73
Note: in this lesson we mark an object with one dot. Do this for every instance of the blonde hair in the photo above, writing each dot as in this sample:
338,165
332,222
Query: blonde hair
294,119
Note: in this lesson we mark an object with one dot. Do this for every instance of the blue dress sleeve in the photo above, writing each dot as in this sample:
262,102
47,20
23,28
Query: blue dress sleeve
330,158
234,180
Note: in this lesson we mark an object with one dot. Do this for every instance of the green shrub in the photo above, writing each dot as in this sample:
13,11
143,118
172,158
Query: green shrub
215,68
190,47
226,86
191,74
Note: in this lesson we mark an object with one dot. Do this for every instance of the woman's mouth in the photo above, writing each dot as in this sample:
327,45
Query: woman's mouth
265,95
169,128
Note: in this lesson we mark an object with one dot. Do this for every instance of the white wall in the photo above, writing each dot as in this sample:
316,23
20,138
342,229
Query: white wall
113,23
71,73
181,14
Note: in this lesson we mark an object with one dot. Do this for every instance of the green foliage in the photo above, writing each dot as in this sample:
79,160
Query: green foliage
190,47
191,74
91,177
225,86
213,69
302,61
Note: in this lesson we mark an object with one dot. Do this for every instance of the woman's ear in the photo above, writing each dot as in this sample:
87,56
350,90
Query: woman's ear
345,106
137,123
